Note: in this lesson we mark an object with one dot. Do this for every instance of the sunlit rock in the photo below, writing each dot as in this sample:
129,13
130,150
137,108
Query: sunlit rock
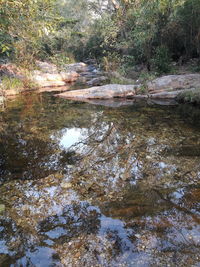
48,75
77,67
102,92
174,82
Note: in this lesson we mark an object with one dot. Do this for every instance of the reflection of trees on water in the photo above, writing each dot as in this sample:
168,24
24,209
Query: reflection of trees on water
120,165
27,149
75,219
113,152
163,224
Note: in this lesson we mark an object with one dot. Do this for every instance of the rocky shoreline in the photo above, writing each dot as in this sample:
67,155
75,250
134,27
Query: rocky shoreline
48,77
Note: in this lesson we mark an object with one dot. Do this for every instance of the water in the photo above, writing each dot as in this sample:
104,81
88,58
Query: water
87,185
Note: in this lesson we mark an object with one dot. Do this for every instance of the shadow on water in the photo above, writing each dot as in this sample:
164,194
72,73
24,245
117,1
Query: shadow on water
87,185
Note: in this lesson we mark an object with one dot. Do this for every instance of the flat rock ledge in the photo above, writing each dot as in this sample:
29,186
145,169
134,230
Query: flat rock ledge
166,87
53,79
174,82
164,94
102,92
48,74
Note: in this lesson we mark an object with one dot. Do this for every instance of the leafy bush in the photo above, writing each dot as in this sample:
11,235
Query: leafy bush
61,59
161,61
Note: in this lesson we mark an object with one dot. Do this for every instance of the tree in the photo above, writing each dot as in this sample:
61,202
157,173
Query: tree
23,24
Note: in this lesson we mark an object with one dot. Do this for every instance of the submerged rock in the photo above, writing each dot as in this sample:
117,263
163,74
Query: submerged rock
102,92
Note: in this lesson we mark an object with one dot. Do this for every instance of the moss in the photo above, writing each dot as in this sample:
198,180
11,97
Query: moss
192,96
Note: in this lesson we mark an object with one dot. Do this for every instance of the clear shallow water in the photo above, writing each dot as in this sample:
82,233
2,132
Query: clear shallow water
86,185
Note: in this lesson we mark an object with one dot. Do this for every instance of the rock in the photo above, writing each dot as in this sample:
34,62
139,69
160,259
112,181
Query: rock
141,96
66,185
102,92
53,89
50,79
97,81
78,67
168,94
175,82
12,92
46,67
88,74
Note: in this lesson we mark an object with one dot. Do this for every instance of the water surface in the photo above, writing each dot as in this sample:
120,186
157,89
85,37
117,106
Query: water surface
87,185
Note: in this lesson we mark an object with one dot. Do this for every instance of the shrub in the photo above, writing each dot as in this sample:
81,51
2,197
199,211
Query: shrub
60,59
161,61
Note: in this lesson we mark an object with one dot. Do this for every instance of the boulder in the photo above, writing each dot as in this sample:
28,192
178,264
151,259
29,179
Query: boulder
97,81
174,82
102,92
78,67
49,76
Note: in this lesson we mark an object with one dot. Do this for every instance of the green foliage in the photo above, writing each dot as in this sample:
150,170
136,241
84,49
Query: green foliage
61,59
23,24
151,32
102,39
118,34
12,83
161,61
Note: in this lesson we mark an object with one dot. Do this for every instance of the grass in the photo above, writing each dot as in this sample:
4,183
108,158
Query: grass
12,83
121,80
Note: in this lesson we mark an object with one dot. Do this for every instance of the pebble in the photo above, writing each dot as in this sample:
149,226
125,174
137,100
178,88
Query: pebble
66,185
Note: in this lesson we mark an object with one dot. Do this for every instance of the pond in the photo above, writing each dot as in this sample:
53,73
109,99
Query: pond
89,185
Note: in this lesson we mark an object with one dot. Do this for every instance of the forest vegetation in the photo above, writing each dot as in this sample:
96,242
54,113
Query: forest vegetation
118,34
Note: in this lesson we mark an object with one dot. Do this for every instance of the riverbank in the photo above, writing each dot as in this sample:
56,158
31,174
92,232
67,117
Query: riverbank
49,77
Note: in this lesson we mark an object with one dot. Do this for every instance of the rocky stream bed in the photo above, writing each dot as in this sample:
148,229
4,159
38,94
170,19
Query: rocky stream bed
92,185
